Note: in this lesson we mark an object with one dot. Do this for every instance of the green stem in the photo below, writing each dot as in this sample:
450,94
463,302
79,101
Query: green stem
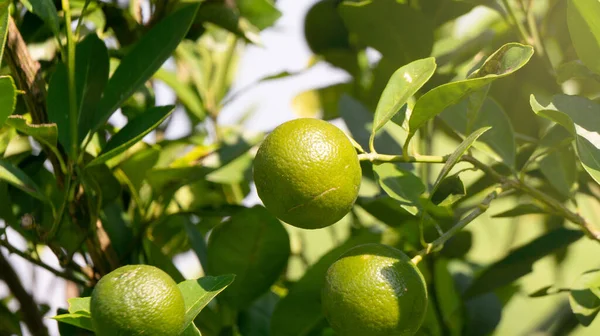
380,158
64,275
478,211
520,27
80,22
71,69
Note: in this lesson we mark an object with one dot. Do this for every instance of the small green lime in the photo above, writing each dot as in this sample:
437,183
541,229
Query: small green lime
374,290
137,300
307,173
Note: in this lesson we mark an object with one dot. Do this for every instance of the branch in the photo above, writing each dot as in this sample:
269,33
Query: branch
478,211
26,72
507,182
31,314
560,209
64,275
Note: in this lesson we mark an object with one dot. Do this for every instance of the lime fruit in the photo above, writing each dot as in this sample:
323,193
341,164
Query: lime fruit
307,173
137,300
374,290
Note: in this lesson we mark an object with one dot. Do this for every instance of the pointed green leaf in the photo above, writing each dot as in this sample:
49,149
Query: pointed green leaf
560,169
520,210
261,13
58,105
91,76
519,262
254,246
401,185
78,319
505,61
79,305
46,134
198,293
8,97
498,142
145,58
18,178
46,10
457,154
403,84
584,27
585,297
186,95
4,14
397,30
581,117
191,330
133,132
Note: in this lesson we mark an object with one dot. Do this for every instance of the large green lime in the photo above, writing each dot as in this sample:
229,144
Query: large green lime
137,300
307,173
374,290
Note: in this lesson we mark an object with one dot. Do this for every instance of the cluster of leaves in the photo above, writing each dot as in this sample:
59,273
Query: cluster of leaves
75,183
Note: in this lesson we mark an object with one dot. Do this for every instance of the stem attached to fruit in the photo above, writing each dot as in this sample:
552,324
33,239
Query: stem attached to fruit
479,209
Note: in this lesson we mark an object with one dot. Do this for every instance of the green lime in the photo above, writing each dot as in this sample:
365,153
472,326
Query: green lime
307,173
137,300
374,290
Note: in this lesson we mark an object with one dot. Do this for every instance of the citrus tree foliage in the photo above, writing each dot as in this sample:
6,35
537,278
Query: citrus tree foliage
479,113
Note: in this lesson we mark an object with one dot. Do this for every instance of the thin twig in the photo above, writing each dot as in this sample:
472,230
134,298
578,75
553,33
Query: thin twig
31,314
478,211
39,263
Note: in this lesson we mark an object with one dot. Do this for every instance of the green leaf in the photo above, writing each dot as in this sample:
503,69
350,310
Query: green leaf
574,69
46,134
403,84
450,190
255,320
157,258
46,10
505,61
18,178
254,246
300,309
454,158
521,210
581,117
499,142
582,19
133,132
585,297
448,298
519,262
261,13
397,30
401,185
8,98
91,76
58,106
185,94
197,242
144,59
191,330
226,17
79,319
79,305
4,14
560,169
322,102
198,293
